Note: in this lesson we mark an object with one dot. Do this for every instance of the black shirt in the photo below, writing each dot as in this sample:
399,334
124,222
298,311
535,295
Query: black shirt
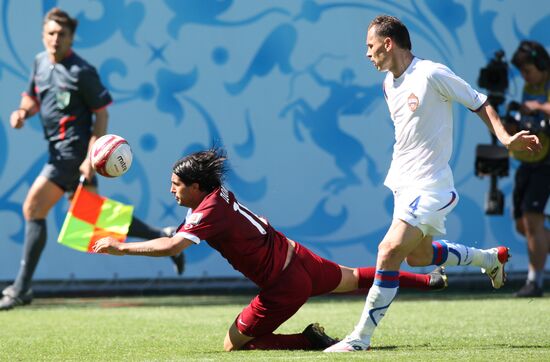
68,93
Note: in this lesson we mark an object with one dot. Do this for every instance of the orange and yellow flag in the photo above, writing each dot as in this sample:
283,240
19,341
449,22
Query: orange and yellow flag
91,217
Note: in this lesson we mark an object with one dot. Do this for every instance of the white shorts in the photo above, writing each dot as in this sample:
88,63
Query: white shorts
425,209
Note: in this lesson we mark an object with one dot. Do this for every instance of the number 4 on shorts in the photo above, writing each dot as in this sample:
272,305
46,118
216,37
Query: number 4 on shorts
414,205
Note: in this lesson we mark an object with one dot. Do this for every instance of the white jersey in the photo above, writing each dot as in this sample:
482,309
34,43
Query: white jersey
420,105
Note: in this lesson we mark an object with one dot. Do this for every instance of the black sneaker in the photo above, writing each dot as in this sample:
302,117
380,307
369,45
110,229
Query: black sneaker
529,290
10,300
26,297
316,335
179,262
438,279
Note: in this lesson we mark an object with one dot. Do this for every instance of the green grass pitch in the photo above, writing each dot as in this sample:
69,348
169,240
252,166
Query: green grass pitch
418,327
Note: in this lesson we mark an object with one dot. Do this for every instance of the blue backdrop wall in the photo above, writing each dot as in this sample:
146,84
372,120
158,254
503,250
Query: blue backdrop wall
285,87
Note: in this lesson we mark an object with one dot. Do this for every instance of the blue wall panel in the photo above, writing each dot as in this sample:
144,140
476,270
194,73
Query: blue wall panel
285,87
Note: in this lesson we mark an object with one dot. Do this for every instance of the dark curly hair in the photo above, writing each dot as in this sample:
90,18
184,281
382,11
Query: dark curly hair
207,168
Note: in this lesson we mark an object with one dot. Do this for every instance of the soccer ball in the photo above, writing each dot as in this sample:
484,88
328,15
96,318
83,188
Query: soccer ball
111,156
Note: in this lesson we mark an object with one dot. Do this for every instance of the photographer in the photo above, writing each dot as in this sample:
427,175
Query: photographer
532,180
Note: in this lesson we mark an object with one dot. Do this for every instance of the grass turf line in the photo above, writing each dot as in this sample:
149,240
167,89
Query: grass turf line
444,327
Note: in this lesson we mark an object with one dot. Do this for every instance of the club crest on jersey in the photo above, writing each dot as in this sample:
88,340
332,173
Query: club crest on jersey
193,219
412,102
63,99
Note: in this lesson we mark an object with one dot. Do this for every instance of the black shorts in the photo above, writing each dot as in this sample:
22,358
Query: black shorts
65,174
531,189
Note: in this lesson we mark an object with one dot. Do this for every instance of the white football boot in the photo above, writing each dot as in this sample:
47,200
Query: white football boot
496,271
348,345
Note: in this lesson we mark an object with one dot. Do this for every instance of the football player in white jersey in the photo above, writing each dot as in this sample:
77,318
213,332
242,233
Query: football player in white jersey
419,94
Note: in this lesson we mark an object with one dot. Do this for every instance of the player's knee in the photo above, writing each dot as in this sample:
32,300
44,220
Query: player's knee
30,210
519,226
532,224
387,251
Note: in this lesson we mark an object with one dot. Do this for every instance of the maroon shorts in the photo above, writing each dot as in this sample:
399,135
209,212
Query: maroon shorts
305,276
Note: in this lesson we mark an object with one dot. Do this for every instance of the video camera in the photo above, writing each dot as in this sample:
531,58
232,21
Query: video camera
494,78
491,159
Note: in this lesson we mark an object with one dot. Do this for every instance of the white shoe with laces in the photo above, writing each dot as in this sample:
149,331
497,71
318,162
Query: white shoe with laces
496,271
348,345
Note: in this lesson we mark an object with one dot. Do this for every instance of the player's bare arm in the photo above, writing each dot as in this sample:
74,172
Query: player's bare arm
164,246
99,129
520,141
27,108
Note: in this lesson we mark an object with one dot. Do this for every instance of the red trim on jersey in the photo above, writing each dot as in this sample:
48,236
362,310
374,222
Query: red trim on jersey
100,108
62,128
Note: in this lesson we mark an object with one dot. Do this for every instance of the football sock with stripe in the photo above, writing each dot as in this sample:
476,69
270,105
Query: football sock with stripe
381,295
406,279
450,254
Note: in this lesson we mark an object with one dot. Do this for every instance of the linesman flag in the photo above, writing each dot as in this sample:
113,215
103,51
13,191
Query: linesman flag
92,217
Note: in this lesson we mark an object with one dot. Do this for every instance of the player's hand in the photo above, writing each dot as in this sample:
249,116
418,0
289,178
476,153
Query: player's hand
108,245
86,169
523,141
17,118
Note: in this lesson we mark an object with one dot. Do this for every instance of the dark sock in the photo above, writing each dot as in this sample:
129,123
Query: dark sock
141,230
406,279
279,341
35,240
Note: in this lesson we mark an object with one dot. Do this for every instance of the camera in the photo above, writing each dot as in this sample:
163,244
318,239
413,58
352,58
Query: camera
491,159
494,78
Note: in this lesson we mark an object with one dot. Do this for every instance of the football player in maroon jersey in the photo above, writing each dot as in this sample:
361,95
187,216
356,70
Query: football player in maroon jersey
286,272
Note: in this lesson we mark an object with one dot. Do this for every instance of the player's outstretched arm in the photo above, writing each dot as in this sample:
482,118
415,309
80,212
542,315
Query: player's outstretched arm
164,246
521,141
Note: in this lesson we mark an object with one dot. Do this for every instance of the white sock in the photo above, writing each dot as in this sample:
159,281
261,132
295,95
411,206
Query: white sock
450,254
381,295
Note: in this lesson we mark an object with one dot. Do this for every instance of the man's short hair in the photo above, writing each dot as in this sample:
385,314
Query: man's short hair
62,18
392,27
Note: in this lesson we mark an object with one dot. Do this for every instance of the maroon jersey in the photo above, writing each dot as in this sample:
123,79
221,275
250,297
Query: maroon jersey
248,242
